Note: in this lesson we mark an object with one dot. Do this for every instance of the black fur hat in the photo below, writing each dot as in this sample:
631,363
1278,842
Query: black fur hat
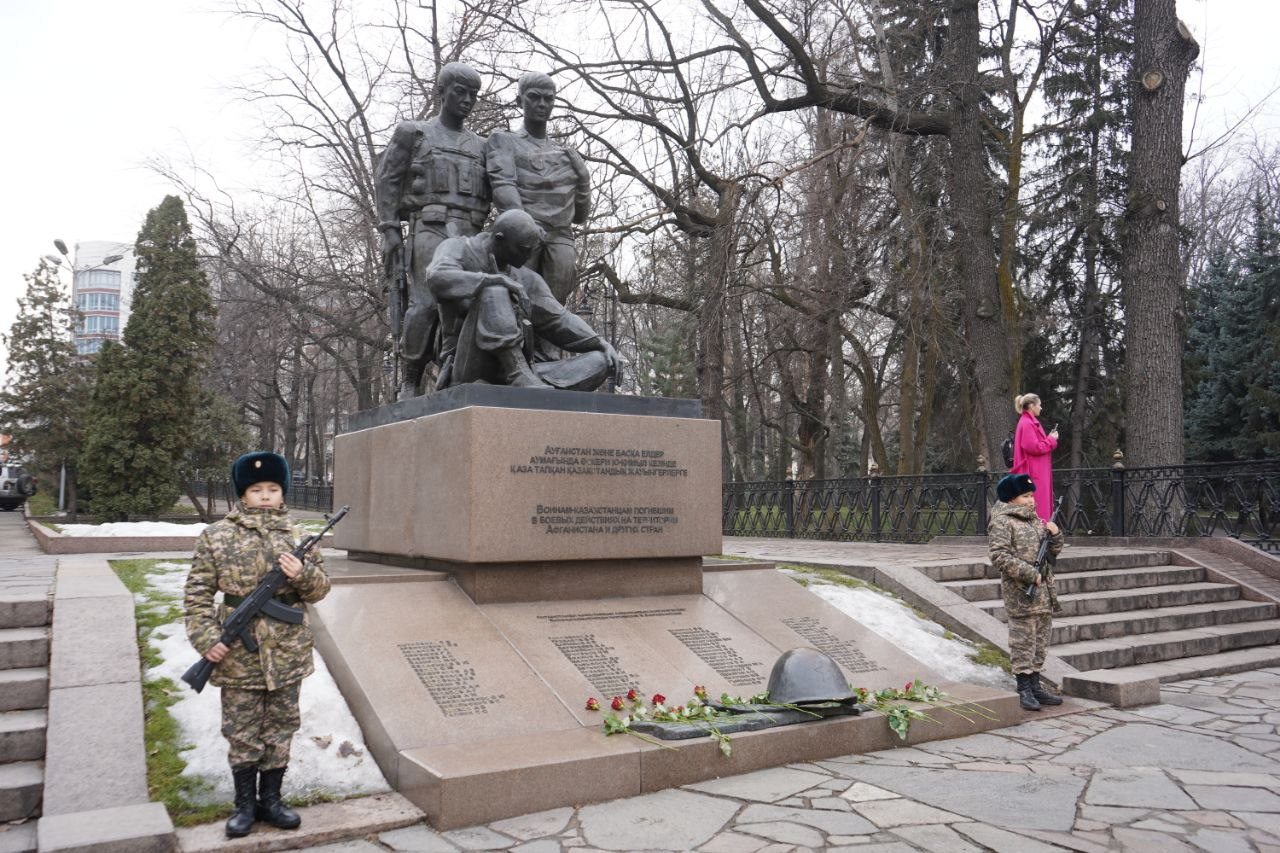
1012,485
260,467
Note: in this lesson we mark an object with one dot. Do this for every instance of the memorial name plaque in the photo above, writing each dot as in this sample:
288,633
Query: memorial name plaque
451,681
788,615
663,644
434,667
488,485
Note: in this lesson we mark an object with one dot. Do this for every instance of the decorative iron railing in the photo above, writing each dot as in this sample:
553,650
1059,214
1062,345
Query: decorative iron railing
1238,499
301,496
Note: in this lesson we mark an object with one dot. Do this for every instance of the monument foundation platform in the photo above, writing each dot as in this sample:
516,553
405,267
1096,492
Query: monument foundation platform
522,550
476,711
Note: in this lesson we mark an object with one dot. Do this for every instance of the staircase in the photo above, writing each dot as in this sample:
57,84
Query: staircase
26,598
1137,611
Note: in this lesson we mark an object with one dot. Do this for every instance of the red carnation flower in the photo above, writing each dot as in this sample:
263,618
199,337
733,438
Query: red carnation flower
907,689
700,692
633,695
617,704
658,698
592,704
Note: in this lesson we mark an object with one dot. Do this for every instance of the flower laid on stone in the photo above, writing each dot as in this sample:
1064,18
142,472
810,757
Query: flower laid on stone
633,695
887,701
617,704
700,692
592,704
659,699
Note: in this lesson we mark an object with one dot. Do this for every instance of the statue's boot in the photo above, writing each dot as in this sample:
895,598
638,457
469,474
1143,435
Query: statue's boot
516,371
409,384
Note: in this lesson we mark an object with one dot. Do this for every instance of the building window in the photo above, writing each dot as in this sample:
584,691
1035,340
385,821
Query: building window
106,279
98,301
88,346
97,325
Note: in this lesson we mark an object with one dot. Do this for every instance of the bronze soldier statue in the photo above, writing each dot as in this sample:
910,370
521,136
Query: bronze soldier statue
544,178
432,175
494,309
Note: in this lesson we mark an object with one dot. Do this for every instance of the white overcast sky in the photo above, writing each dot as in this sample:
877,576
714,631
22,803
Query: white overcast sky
90,89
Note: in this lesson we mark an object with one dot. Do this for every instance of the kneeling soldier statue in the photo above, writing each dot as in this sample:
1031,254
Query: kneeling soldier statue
493,310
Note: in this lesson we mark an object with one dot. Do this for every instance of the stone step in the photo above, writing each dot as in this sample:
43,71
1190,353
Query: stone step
1068,561
1098,580
25,608
22,734
1102,626
1145,598
1203,666
18,838
24,688
1167,645
21,788
24,647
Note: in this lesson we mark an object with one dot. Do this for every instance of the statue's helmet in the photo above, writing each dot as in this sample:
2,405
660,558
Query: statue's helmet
805,676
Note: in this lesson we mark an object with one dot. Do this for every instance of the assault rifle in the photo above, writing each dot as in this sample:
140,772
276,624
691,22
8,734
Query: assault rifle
261,600
1044,558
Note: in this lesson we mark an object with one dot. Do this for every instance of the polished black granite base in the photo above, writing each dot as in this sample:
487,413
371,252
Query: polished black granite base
505,397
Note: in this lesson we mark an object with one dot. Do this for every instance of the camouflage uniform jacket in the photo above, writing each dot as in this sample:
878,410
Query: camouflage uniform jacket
232,556
1014,535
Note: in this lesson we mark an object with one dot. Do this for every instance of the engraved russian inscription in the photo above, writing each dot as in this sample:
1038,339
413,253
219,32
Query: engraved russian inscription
844,652
611,520
611,614
597,662
717,653
450,680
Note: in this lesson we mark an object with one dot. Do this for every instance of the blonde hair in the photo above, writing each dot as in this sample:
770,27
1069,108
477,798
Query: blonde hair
1021,401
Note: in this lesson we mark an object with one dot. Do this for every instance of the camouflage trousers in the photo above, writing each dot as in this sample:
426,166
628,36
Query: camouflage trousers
259,725
1029,642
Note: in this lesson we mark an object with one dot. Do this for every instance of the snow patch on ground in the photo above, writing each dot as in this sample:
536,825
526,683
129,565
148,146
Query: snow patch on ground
132,528
923,639
317,764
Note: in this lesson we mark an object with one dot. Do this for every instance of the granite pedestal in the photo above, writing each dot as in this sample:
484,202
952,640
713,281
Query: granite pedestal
560,558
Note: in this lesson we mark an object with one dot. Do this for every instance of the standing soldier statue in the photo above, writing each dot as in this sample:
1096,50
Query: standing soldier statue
545,179
432,175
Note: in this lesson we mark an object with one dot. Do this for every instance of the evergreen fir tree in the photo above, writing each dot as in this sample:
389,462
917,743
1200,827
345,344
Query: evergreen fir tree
1233,351
145,405
47,393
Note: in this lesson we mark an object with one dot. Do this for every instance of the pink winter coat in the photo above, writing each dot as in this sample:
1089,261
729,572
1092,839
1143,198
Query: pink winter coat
1033,454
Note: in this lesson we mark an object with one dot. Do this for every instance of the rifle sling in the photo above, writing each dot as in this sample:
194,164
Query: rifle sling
274,608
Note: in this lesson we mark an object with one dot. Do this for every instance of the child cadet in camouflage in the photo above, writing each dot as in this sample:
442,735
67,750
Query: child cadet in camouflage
259,689
1014,534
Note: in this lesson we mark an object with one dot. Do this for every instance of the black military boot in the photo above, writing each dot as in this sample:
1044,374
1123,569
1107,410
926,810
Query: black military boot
270,807
241,820
1026,698
1044,697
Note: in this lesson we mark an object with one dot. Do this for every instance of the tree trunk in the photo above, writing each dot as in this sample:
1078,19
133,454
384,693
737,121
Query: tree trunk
1153,272
969,187
710,359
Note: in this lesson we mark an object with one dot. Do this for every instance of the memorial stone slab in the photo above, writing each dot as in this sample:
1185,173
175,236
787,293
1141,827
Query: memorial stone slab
434,667
787,615
662,644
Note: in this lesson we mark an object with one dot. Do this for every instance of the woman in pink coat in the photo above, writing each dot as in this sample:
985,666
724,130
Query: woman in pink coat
1033,452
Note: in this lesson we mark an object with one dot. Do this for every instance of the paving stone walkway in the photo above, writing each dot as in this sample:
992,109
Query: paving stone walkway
1200,771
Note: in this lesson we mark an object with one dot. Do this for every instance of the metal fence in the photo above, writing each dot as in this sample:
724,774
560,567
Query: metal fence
1238,499
301,496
